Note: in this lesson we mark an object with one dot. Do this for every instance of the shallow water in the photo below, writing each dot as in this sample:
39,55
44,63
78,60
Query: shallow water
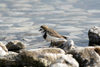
21,19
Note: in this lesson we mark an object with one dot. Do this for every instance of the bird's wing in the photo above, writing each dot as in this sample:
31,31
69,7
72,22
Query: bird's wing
54,33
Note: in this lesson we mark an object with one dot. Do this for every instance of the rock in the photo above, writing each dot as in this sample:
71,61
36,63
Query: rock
44,57
3,49
97,49
94,36
87,56
65,61
9,60
65,45
57,44
49,50
15,46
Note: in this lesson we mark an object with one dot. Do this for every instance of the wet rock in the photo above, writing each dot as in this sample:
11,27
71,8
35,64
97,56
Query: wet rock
3,49
44,57
87,56
94,36
15,46
65,61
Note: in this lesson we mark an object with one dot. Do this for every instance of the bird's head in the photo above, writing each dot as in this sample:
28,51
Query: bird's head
43,28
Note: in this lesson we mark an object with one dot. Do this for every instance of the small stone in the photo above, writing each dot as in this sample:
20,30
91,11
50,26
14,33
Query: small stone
65,45
15,46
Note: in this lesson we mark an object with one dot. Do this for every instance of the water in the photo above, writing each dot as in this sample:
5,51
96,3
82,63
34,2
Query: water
21,19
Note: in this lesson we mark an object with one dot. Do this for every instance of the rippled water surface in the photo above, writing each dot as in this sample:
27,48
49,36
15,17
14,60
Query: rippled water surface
21,19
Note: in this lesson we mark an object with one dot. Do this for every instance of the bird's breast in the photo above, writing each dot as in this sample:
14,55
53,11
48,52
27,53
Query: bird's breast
45,35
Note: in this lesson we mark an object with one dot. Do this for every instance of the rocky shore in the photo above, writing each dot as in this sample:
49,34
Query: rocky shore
59,54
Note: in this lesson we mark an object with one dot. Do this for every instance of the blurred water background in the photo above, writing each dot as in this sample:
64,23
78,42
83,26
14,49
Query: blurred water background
21,19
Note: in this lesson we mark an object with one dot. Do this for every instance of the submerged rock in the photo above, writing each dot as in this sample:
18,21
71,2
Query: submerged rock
15,46
94,36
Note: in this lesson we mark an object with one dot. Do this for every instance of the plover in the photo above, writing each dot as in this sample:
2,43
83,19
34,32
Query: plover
51,35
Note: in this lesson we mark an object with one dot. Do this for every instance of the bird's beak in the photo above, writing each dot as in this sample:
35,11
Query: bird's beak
40,30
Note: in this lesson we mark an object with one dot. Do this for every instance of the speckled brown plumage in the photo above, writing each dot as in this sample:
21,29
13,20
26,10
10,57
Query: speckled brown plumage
51,32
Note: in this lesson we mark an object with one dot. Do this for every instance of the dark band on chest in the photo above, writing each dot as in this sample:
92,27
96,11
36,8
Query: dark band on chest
45,35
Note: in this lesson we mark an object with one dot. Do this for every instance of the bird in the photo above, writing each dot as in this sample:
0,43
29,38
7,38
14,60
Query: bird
51,35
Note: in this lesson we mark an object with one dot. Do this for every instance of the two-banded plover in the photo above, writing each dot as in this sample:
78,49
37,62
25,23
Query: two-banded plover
56,39
51,35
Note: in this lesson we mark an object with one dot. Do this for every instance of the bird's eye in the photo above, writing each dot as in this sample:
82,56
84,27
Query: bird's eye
40,29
